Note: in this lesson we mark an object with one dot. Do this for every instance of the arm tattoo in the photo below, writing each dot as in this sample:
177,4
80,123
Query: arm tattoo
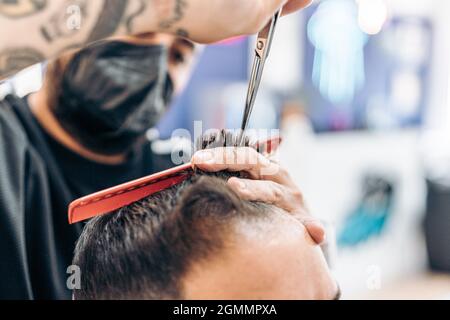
183,33
15,9
16,59
177,15
63,25
109,20
66,21
107,23
130,19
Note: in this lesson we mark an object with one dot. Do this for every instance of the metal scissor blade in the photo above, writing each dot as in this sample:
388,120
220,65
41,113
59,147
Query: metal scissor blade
263,46
251,93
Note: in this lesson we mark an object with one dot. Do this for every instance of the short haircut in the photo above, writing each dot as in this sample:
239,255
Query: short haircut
143,251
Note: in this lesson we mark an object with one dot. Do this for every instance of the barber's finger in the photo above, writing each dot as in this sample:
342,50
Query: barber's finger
295,5
316,230
241,159
268,192
231,159
282,197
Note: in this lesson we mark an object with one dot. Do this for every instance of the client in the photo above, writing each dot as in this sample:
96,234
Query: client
199,240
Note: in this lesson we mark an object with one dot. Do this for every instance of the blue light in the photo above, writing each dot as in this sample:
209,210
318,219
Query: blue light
338,70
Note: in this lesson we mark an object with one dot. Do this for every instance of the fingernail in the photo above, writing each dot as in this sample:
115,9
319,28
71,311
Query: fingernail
320,231
316,223
203,156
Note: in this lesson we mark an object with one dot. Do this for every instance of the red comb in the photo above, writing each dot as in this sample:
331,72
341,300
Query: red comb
112,199
121,196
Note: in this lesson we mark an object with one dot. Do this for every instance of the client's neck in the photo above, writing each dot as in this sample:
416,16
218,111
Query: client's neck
41,110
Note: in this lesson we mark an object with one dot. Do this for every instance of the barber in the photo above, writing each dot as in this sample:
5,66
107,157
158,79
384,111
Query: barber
85,129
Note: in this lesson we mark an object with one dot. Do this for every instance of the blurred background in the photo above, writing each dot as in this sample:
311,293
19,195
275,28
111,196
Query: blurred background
361,92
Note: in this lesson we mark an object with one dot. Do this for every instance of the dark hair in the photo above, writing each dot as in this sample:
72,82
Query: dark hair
144,250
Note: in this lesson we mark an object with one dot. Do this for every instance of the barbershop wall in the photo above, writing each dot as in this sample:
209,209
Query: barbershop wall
331,169
336,165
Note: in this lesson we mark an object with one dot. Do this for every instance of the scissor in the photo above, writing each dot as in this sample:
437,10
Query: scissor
263,46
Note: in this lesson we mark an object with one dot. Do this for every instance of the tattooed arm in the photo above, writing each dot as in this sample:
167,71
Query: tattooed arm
34,30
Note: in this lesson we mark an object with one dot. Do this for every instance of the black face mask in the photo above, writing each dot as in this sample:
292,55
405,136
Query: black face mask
112,92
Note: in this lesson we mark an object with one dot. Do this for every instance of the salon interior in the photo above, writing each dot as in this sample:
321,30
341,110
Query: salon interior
365,119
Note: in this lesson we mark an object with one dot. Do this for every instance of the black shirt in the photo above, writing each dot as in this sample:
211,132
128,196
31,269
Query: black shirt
38,179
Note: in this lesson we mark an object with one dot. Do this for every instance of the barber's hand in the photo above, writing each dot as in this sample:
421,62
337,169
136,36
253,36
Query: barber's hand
268,183
207,21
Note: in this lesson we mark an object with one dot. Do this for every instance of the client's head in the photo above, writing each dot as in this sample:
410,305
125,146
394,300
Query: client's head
199,240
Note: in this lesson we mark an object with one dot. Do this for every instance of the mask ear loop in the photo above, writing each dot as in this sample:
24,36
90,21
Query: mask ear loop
112,199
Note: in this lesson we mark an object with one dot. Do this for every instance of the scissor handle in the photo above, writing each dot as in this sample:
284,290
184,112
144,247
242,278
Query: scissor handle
265,37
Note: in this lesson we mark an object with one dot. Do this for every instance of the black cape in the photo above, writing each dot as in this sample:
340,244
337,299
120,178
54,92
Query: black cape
38,180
